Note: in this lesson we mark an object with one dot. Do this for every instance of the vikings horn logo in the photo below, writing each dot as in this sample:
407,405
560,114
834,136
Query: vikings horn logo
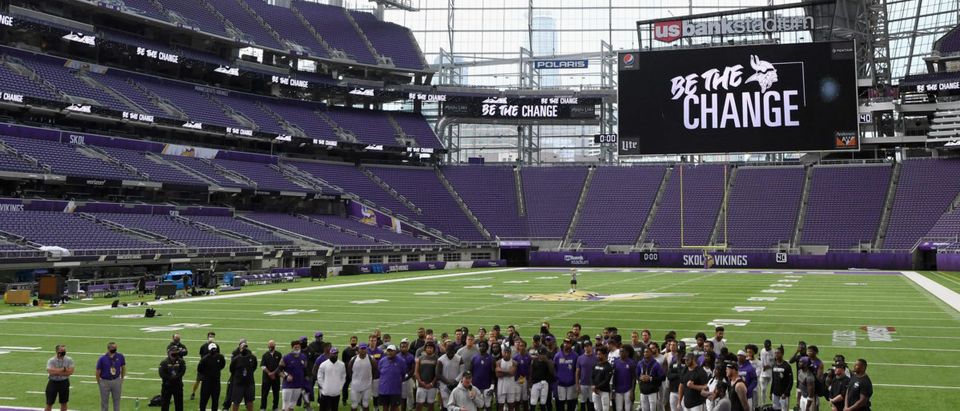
766,74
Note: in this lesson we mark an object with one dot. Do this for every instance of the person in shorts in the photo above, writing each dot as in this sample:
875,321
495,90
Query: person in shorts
425,373
585,364
508,391
360,371
292,368
392,369
59,369
242,369
573,280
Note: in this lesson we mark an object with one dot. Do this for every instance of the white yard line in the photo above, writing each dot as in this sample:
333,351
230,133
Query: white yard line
256,293
934,387
945,294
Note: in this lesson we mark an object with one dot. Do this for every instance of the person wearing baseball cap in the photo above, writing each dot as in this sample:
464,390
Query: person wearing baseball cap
171,371
243,385
748,373
465,396
692,382
360,372
838,382
331,375
737,388
208,373
392,369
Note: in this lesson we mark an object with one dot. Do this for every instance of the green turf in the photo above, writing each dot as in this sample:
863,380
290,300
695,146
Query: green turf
128,297
923,353
950,280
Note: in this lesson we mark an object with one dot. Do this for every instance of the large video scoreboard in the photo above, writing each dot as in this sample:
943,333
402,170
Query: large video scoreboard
758,98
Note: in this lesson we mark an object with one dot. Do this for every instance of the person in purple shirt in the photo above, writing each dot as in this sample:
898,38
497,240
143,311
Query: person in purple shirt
111,370
392,371
293,367
585,364
748,373
482,368
650,376
624,376
565,363
523,374
407,394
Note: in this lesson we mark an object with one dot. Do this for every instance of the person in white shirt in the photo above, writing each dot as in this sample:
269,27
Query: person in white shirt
766,371
331,375
361,369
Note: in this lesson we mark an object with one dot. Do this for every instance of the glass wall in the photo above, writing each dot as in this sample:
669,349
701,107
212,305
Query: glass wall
484,31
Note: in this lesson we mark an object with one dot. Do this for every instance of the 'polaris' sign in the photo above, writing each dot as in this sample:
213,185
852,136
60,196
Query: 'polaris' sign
670,31
561,64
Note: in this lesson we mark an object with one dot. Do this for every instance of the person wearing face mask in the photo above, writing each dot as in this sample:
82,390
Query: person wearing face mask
242,368
175,343
346,356
171,371
270,377
331,376
203,351
111,370
208,372
292,368
59,370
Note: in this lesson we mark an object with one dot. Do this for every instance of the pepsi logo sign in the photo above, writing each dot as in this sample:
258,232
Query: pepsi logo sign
629,59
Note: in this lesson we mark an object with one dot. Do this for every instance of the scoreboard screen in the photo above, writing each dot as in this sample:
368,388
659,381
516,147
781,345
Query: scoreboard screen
758,98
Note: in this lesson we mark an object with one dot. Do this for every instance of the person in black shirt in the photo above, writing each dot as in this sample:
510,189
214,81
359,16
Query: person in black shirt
860,388
242,368
171,371
693,380
204,349
175,343
782,381
737,390
602,377
838,386
208,372
233,355
270,378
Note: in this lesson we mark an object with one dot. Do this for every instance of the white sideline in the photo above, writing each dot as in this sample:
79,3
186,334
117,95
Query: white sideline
252,293
943,293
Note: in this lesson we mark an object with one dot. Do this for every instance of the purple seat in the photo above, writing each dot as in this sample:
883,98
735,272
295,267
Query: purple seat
550,195
491,194
845,204
917,207
763,206
617,204
703,188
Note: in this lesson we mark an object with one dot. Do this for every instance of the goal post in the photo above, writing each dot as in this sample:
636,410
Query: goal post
726,189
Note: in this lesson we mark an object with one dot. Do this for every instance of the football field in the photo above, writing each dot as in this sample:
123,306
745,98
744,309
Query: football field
910,339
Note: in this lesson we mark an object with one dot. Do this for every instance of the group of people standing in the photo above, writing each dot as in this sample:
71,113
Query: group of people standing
467,372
